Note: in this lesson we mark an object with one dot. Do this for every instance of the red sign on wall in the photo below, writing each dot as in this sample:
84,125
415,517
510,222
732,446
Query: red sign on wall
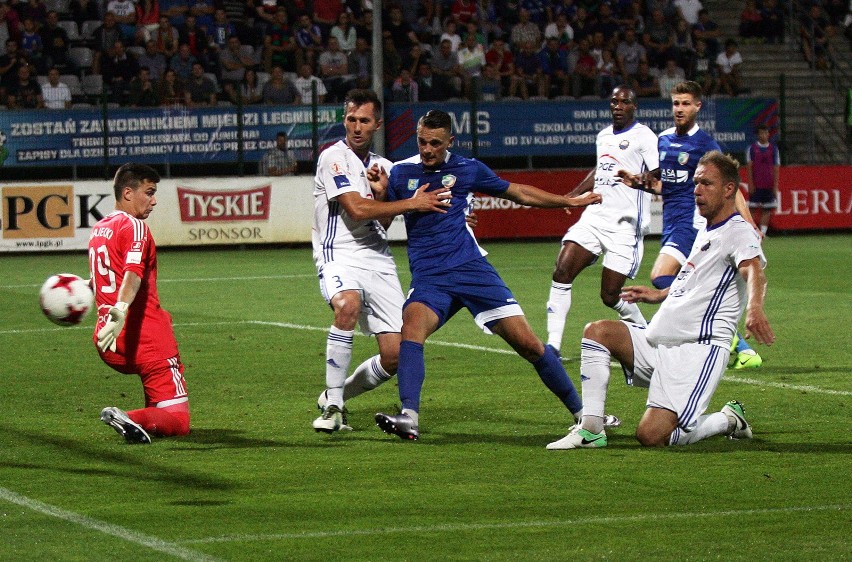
814,198
811,198
198,205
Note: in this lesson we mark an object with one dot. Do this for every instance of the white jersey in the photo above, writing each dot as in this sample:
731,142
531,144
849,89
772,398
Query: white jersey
336,236
635,150
708,296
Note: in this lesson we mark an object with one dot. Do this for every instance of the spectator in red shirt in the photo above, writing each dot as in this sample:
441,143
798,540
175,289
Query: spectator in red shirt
500,56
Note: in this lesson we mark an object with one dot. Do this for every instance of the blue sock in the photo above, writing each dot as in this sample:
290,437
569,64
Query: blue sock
742,344
411,373
554,377
663,281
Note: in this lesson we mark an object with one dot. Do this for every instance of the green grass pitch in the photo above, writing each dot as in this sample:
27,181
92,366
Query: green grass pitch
253,481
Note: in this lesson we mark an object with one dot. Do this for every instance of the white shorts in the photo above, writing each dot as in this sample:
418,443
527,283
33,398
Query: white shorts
644,357
381,295
685,378
622,249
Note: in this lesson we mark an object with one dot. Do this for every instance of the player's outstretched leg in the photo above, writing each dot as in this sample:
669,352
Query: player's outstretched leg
729,421
126,427
168,421
742,355
412,373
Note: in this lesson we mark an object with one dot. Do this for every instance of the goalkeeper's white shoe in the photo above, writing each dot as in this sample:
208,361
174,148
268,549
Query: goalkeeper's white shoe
126,427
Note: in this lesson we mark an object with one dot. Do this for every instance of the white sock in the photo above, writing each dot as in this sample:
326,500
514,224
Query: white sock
366,376
764,228
629,311
338,355
594,377
413,415
558,306
708,425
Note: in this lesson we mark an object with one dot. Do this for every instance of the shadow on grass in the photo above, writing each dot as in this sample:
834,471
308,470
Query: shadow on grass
211,439
119,464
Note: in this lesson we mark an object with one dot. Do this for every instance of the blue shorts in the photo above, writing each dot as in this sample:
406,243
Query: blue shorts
677,241
474,285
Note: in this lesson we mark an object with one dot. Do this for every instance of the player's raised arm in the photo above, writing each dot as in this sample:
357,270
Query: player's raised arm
756,323
534,197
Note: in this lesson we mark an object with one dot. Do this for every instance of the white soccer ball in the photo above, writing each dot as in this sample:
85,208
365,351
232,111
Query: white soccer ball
65,299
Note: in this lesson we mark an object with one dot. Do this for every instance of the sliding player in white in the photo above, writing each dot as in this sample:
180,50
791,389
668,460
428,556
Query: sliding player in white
685,347
616,227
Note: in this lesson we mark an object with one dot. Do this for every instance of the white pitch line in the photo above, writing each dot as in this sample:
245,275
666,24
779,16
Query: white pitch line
451,528
435,342
107,528
785,386
734,379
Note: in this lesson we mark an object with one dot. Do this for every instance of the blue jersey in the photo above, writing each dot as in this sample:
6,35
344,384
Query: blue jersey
437,241
679,155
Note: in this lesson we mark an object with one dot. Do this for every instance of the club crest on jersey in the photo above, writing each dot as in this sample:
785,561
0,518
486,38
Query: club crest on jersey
448,181
624,144
705,247
412,184
683,158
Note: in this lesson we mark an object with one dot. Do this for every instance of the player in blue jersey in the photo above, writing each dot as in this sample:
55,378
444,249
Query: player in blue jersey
681,147
449,270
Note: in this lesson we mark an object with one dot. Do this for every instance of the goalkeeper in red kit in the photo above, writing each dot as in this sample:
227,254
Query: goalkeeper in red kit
134,333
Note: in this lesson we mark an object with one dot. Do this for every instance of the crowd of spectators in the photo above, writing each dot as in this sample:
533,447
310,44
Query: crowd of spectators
210,52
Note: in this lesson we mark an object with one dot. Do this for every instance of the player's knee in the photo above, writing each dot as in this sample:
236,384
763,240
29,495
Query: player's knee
648,437
610,299
561,274
182,426
346,313
390,362
597,331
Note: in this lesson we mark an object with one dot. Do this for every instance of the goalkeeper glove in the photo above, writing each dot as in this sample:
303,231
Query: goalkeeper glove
108,335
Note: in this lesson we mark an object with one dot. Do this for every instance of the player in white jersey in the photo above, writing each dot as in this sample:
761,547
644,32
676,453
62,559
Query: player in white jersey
356,270
685,347
617,226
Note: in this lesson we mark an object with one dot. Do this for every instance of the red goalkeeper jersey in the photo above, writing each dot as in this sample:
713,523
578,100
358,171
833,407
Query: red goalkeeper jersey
120,243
